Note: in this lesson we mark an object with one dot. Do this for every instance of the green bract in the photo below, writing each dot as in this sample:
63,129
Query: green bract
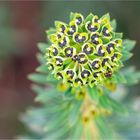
87,51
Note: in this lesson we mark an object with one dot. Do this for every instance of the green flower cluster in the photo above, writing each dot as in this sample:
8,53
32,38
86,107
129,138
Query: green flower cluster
85,51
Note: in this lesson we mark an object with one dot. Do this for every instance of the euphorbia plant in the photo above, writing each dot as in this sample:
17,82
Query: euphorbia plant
81,67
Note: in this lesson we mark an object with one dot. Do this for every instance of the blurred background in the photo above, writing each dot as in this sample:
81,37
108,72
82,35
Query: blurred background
23,25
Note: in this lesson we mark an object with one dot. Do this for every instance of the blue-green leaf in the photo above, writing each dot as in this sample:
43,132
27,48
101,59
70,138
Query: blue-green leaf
126,55
94,93
40,58
42,47
50,31
128,45
74,113
41,79
43,69
131,75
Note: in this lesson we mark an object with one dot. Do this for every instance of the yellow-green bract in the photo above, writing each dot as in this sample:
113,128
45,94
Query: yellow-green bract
86,51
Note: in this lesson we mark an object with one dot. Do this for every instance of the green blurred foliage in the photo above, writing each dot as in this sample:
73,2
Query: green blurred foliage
8,35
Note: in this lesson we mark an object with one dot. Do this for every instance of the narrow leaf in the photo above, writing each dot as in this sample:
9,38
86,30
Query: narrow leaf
74,113
50,31
128,45
114,24
41,79
126,55
42,47
42,69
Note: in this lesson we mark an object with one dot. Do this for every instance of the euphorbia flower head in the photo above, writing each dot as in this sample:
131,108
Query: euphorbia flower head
84,52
